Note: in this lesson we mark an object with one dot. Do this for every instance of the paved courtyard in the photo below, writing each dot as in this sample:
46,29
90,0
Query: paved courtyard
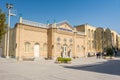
79,69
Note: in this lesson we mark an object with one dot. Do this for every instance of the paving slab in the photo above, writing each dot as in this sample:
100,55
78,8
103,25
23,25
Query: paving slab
80,69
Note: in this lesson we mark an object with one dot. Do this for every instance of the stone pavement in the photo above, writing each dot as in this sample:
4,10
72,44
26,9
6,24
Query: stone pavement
80,69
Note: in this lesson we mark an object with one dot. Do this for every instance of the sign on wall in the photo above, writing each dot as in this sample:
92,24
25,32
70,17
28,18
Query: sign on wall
65,29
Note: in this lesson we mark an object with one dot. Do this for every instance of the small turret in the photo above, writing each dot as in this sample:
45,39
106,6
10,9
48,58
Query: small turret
20,20
54,24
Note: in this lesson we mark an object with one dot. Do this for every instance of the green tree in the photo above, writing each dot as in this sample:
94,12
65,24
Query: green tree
2,24
109,52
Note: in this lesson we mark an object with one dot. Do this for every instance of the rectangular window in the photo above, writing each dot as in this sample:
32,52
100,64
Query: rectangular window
27,47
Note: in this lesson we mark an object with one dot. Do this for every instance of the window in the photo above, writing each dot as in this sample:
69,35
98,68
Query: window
70,47
65,40
93,44
95,34
70,40
27,47
44,47
58,39
89,33
58,47
78,48
89,44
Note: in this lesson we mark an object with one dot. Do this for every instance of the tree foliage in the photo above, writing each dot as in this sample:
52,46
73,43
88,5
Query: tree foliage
2,24
109,52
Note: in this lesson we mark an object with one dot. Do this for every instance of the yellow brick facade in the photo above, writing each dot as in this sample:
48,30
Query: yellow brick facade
55,40
89,31
49,41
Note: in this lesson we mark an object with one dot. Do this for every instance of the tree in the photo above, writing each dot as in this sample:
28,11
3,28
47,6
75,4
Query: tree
2,24
109,52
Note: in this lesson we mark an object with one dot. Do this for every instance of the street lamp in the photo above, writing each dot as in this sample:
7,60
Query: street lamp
9,7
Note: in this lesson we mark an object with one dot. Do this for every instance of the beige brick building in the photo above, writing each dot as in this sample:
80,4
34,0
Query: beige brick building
92,45
32,40
35,40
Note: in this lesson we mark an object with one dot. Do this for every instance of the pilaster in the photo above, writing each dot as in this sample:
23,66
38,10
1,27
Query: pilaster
19,41
74,43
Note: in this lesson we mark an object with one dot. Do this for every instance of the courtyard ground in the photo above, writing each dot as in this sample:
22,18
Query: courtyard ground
80,69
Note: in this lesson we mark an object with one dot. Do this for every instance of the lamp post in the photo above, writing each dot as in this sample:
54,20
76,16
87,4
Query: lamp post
9,7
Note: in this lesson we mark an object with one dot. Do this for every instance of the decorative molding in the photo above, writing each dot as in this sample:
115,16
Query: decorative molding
35,29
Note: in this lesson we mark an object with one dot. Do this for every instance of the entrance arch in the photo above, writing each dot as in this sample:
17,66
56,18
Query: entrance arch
36,50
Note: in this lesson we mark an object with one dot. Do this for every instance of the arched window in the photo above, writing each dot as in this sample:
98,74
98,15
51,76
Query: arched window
95,34
58,47
78,48
89,33
70,40
45,47
92,34
65,40
27,47
89,44
93,45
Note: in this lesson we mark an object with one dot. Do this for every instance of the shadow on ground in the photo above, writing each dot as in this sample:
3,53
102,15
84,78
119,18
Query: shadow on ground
109,67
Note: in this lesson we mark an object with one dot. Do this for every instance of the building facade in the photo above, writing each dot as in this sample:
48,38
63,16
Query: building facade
35,40
98,39
32,40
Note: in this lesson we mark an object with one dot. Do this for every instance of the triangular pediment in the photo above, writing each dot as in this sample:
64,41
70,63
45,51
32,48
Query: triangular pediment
64,25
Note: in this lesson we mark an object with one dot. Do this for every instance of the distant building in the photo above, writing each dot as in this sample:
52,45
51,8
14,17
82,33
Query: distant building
99,38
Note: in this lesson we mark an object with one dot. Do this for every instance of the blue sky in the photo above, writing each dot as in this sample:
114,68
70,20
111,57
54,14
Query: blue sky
99,13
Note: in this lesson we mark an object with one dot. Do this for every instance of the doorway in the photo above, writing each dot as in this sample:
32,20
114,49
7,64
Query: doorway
64,51
36,50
